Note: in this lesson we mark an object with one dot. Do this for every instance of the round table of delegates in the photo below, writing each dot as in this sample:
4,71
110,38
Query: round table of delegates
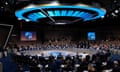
66,59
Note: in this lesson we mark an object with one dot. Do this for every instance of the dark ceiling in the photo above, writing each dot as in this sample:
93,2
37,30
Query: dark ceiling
110,21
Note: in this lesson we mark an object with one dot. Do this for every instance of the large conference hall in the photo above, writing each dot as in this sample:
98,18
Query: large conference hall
59,35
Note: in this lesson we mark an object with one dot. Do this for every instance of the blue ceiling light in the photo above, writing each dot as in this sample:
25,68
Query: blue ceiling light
57,13
84,12
63,12
51,13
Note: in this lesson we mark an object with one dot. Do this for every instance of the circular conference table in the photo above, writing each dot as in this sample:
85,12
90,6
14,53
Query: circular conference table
56,52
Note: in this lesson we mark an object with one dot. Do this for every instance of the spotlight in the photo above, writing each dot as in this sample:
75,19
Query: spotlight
59,23
6,3
116,11
27,20
115,1
102,16
30,6
2,7
55,3
19,19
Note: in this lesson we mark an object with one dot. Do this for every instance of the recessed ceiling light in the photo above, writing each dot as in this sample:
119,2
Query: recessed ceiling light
116,11
102,16
115,1
2,7
27,20
19,19
6,3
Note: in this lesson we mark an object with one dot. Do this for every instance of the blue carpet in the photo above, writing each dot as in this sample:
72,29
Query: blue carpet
8,64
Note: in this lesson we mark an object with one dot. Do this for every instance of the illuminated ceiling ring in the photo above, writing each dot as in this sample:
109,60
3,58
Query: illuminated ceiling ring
85,13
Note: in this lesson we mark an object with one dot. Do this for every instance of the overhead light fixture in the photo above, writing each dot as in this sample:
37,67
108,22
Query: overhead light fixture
79,12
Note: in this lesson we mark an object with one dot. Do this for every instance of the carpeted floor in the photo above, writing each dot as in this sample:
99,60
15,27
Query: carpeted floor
8,64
